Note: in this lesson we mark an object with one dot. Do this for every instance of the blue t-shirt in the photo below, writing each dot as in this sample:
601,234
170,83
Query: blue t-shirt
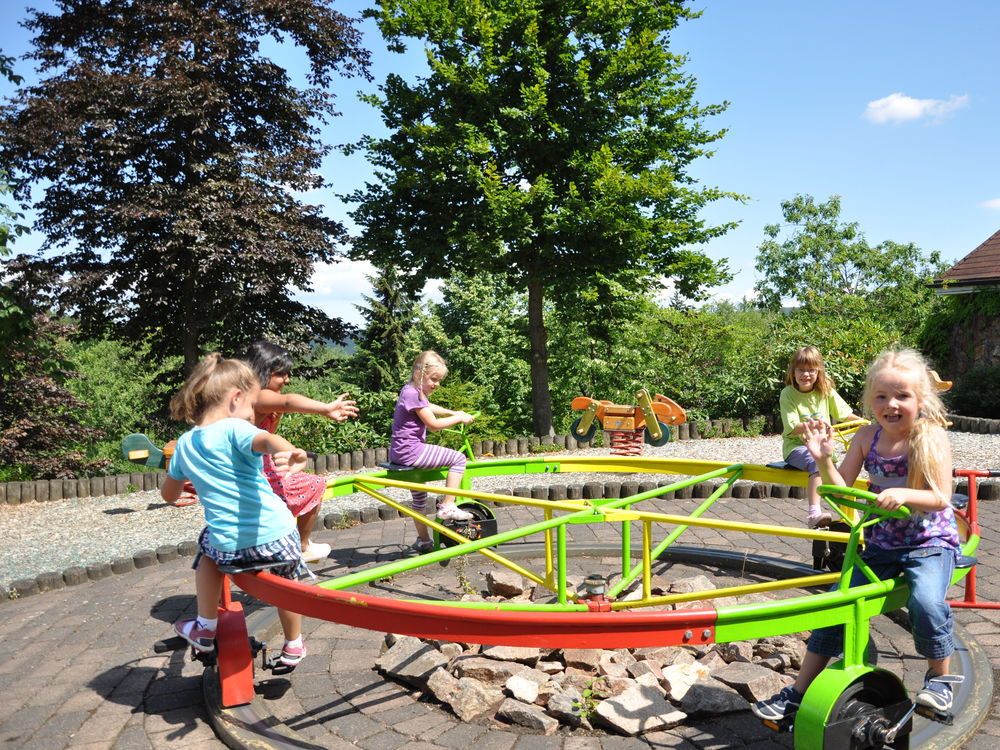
241,509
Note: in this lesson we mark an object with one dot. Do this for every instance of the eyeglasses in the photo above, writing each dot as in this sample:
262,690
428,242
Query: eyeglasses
806,372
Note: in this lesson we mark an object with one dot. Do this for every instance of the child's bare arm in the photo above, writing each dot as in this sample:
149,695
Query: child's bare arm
436,418
287,458
171,489
343,407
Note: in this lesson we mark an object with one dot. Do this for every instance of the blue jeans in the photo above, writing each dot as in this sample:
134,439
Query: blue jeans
928,572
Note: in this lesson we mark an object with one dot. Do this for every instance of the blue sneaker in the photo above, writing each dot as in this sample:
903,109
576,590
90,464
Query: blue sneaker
779,706
937,692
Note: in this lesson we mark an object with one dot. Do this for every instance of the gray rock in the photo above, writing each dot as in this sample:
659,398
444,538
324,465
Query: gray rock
520,654
636,711
709,696
473,698
582,658
524,715
523,689
411,660
566,708
678,679
752,681
488,670
442,685
505,583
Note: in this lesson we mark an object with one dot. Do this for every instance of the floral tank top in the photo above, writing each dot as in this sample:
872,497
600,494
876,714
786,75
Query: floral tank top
921,529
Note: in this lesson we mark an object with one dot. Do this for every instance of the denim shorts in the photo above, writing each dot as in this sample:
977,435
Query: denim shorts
928,572
286,549
801,458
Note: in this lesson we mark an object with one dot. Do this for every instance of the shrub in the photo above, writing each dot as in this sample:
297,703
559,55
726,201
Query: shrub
977,394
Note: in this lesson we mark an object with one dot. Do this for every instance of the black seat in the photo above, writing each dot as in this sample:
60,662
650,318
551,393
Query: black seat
783,465
390,466
254,567
965,561
959,501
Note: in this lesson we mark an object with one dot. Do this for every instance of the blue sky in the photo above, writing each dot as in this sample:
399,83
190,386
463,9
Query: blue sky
891,104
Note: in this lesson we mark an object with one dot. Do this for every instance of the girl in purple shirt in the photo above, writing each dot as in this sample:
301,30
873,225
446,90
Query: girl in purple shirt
413,416
908,460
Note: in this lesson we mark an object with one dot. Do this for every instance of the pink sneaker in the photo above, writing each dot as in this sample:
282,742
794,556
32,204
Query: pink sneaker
452,512
292,655
201,639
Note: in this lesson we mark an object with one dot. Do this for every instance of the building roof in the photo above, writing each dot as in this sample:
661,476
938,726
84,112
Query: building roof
979,268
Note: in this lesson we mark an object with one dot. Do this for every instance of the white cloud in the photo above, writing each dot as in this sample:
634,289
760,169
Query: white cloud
899,107
994,204
343,280
338,287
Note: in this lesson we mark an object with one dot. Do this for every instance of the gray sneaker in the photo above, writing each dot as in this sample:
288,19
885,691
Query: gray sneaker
778,706
937,692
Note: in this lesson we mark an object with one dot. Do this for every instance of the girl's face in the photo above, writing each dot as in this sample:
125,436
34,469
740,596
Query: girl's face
431,381
894,401
277,381
805,378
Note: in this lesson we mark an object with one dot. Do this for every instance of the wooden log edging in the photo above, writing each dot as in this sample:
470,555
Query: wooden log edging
75,575
46,490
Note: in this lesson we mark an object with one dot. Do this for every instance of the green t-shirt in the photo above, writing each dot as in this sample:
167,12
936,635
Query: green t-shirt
797,407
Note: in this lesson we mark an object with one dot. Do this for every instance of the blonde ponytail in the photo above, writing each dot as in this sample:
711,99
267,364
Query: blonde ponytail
207,385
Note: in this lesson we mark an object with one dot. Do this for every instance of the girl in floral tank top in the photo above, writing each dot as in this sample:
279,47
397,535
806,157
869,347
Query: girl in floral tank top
908,460
936,528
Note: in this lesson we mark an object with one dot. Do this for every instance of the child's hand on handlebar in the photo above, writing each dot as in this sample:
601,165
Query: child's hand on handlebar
464,417
290,462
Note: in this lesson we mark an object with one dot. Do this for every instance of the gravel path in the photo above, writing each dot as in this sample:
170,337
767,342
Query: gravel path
53,536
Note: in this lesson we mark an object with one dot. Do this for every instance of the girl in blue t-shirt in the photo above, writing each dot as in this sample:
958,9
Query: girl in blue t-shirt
246,523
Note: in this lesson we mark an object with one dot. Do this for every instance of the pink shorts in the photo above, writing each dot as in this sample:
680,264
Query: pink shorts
301,492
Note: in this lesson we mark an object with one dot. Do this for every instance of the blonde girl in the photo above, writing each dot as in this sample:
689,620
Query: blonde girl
413,416
246,523
908,460
808,394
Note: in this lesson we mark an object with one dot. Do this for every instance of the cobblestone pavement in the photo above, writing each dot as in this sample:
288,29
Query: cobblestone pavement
80,670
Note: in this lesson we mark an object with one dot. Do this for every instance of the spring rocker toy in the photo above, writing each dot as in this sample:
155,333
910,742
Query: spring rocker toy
628,427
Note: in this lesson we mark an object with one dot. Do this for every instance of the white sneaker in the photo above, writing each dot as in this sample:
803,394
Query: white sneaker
819,520
315,552
452,512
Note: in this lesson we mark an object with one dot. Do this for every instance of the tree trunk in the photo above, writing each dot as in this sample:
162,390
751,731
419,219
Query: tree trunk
541,402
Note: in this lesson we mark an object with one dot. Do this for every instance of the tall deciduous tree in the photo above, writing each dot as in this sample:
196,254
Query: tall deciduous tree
172,154
828,266
549,142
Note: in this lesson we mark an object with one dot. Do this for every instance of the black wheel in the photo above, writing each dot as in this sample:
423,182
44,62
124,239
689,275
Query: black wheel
483,523
587,436
862,713
664,437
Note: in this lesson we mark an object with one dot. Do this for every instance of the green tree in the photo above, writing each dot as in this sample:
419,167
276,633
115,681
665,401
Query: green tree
172,153
548,143
478,326
828,266
388,315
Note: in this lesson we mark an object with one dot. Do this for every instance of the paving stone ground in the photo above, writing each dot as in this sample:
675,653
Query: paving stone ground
79,669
